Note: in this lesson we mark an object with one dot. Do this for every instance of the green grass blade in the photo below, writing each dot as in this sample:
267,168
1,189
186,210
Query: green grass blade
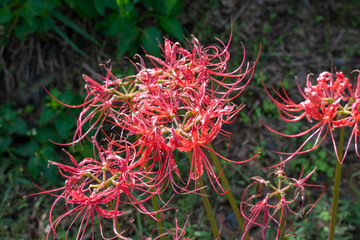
61,17
68,41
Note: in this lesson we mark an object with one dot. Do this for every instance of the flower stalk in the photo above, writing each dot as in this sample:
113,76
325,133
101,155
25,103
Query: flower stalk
206,203
336,186
229,193
117,224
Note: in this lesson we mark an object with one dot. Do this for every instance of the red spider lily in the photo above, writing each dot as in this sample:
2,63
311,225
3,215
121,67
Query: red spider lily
176,99
331,102
193,68
103,101
181,103
274,203
176,233
92,185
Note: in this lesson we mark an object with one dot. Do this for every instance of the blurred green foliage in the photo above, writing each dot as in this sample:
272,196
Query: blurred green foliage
129,23
29,147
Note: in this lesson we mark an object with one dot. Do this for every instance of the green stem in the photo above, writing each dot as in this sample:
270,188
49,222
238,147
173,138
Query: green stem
117,224
158,216
206,203
229,194
336,185
282,220
155,204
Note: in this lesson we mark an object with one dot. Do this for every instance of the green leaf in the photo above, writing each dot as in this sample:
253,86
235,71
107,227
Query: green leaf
164,7
28,12
48,152
27,149
84,8
26,28
18,126
4,143
171,26
24,181
68,40
127,37
85,149
68,22
51,174
47,133
5,2
35,166
100,5
7,112
64,124
5,15
46,115
169,6
45,24
149,39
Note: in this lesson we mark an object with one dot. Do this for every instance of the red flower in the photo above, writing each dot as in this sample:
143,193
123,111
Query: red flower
331,103
92,186
274,202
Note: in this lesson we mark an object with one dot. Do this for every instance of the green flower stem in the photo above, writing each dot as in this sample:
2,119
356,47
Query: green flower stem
281,215
155,204
336,185
282,224
158,215
229,194
206,203
117,224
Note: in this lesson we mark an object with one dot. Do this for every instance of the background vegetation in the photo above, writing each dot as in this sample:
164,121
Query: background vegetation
54,42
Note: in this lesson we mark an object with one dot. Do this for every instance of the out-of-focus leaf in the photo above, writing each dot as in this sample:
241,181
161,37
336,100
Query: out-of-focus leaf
4,143
46,115
73,25
169,6
149,40
23,181
64,124
85,149
127,36
10,122
51,174
164,7
45,24
100,5
172,26
48,152
5,2
47,133
156,6
68,40
27,149
18,126
5,14
35,166
28,12
7,112
84,8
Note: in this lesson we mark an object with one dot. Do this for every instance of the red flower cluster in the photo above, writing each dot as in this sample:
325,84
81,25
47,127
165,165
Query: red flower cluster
332,103
180,104
93,185
263,202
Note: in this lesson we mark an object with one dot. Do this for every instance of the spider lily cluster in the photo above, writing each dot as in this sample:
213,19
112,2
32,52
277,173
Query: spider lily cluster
265,201
329,104
179,104
137,123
